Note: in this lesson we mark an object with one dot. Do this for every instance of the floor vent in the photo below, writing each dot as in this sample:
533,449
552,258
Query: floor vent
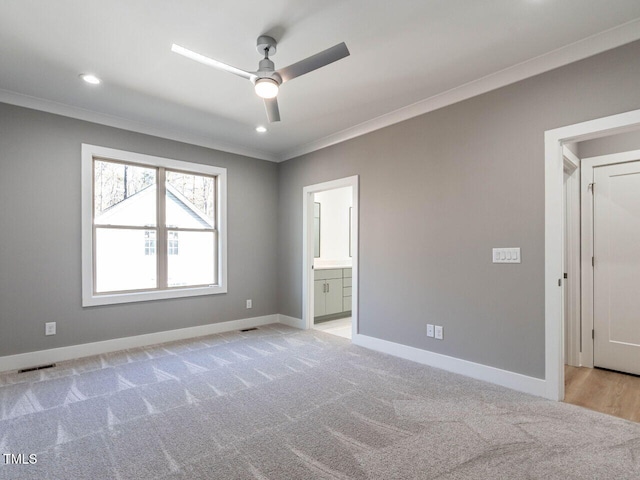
249,329
33,369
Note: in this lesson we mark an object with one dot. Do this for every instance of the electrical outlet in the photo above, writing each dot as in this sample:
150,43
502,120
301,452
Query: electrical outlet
429,330
439,332
50,328
249,304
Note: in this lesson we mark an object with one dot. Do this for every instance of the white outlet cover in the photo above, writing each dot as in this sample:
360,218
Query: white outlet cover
439,332
249,304
430,330
50,328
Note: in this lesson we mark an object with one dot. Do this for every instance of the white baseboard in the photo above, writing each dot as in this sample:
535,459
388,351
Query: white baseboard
291,321
43,357
515,381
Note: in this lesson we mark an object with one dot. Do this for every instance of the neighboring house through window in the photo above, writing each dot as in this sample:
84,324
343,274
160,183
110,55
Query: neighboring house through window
132,200
149,242
173,243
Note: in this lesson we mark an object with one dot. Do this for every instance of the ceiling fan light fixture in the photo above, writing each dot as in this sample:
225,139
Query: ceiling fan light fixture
266,88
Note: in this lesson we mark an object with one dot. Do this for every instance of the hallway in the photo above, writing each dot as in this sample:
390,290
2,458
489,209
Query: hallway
605,391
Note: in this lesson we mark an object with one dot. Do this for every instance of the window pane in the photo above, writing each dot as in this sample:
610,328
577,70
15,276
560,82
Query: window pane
125,259
150,242
193,263
173,244
124,194
190,200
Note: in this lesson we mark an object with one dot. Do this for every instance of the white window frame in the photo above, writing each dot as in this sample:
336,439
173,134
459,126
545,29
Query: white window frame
89,298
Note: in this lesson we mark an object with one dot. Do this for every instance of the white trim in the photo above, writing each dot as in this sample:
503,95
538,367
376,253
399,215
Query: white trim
572,218
505,378
554,236
307,247
587,166
43,105
598,43
291,321
43,357
86,175
612,158
571,160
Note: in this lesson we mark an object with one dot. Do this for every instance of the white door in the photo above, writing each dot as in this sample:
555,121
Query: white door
616,273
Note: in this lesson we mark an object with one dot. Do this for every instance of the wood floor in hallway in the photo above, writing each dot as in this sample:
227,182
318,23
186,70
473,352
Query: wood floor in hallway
604,391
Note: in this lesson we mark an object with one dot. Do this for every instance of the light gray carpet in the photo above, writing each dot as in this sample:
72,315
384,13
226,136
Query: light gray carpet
279,403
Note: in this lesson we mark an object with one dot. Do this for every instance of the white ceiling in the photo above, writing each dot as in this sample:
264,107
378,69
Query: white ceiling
407,56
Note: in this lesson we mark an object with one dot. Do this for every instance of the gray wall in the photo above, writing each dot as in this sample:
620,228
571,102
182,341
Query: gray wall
437,192
40,236
623,142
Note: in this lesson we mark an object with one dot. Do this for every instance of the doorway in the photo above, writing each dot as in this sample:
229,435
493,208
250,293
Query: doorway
608,333
555,236
330,257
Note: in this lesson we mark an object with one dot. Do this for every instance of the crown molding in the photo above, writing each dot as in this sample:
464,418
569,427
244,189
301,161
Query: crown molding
35,103
598,43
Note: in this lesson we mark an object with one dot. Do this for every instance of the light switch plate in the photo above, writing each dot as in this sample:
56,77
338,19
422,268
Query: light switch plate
506,255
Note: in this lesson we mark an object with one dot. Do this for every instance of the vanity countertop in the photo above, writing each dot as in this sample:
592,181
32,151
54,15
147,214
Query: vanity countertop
330,267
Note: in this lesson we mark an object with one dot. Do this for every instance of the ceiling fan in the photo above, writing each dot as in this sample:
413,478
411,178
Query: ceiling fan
267,79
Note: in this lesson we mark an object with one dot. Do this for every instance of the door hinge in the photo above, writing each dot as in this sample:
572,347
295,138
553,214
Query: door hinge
592,187
593,334
565,276
593,261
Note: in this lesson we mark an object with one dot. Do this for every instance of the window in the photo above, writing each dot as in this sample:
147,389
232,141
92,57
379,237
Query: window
149,242
173,243
153,227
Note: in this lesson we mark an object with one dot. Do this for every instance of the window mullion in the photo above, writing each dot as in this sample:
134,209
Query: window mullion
162,230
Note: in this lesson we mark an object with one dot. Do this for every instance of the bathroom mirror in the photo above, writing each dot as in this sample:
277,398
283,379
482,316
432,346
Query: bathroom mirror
316,230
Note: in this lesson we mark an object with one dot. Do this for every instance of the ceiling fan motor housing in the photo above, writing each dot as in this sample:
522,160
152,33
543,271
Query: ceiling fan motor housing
268,43
266,69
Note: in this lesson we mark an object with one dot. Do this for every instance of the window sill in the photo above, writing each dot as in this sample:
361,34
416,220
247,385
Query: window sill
92,300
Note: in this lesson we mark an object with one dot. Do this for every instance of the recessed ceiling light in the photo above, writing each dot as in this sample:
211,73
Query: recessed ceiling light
89,78
261,129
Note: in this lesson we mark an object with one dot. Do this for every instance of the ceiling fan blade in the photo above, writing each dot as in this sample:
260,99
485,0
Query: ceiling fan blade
314,62
273,113
185,52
